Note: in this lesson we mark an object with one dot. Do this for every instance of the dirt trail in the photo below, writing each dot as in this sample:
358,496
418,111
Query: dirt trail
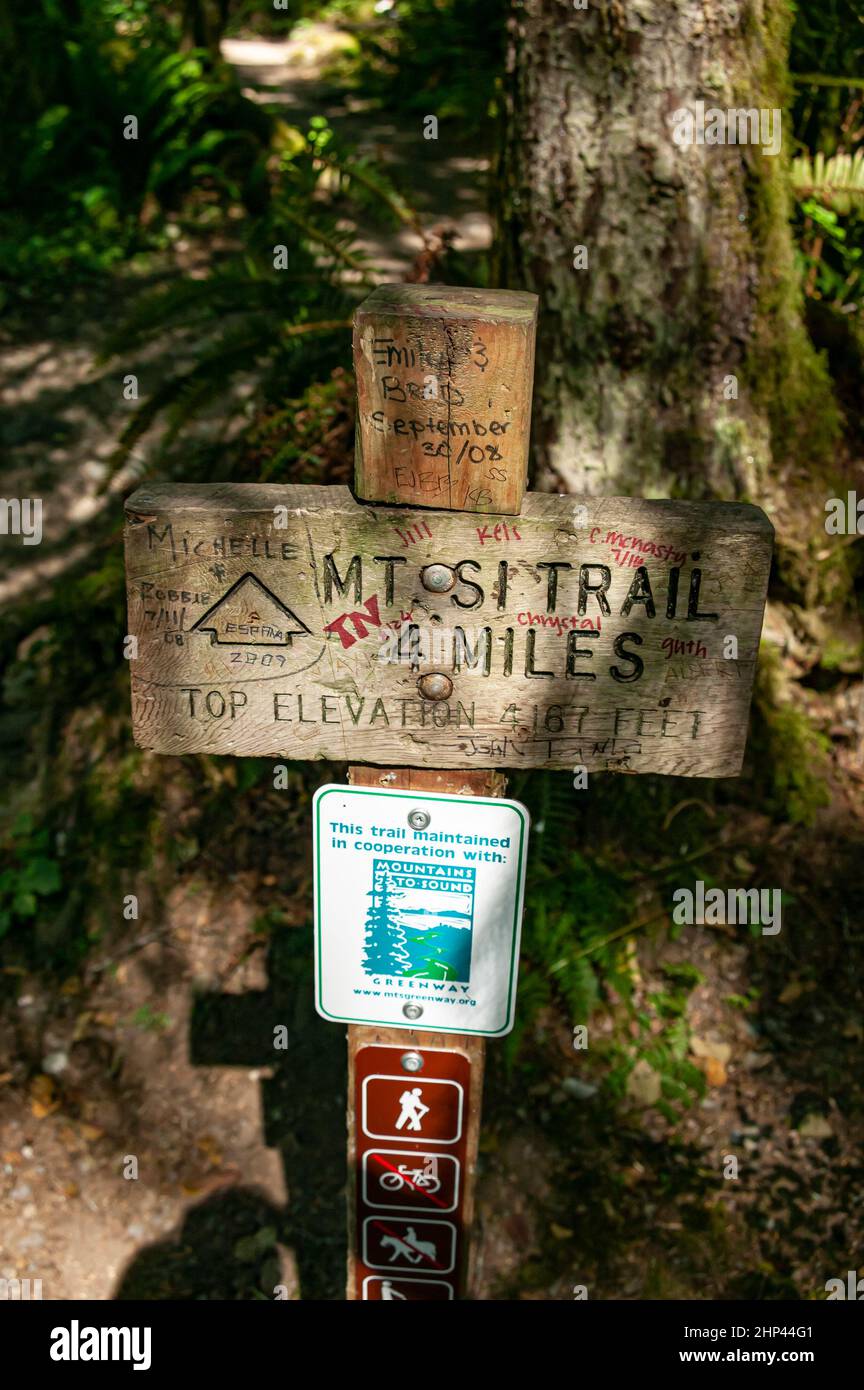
125,1122
61,411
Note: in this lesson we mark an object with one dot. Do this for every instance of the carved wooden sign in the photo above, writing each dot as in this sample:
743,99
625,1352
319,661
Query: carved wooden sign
611,633
444,384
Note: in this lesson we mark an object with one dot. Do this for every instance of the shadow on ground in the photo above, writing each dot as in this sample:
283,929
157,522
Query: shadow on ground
227,1246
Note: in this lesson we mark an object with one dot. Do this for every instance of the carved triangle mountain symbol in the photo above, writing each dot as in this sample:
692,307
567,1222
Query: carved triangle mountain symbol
249,615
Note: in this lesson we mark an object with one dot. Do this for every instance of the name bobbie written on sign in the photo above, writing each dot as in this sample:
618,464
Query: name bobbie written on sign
273,618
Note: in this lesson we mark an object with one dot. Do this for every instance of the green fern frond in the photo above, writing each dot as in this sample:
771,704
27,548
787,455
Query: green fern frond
183,395
336,244
362,171
186,394
837,181
191,304
553,820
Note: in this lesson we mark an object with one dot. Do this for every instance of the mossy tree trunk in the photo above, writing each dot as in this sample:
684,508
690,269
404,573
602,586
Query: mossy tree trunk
690,292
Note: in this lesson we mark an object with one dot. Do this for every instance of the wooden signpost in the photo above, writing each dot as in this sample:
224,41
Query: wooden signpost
440,646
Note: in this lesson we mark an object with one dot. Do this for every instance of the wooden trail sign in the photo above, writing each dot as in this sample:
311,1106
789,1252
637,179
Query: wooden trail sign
613,633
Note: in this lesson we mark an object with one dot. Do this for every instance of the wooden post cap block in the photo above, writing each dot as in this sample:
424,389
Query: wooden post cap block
444,382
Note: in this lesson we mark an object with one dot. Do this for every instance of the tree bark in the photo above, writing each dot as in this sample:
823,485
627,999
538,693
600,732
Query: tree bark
690,294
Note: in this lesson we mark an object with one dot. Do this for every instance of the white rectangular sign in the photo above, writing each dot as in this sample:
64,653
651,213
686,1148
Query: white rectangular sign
418,908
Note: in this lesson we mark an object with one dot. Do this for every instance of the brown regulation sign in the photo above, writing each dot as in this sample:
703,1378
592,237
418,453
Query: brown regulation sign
608,633
411,1135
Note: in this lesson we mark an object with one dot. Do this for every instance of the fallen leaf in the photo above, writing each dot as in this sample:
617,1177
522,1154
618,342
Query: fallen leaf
755,1061
715,1072
580,1090
207,1145
214,1183
643,1084
560,1232
82,1025
794,990
708,1047
815,1127
43,1097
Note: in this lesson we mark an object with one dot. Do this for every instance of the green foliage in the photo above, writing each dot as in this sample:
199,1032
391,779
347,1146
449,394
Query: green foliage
788,754
76,797
838,181
572,909
276,315
82,184
149,1020
827,56
310,438
438,57
826,46
657,1034
830,261
32,874
583,920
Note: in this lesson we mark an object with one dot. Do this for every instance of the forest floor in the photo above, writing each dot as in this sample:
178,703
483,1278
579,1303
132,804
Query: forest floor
151,1147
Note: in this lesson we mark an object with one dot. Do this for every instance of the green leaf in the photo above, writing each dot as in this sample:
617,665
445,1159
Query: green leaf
42,876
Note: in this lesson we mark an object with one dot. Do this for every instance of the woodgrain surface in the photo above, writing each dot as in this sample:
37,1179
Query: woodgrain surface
444,383
294,622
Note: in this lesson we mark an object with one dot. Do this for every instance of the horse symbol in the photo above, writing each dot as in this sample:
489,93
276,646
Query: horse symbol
410,1249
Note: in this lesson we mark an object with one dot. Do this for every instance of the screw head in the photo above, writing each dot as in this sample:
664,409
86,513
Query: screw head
438,579
412,1011
434,685
418,820
412,1061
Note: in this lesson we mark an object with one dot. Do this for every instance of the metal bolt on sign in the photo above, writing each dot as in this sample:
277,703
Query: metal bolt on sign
439,579
435,685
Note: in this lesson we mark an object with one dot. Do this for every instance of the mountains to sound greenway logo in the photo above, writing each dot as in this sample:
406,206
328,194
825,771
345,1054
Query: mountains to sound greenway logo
420,921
